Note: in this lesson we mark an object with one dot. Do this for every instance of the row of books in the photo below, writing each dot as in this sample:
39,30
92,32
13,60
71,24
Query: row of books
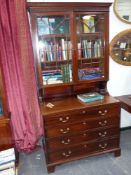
53,52
90,97
63,75
90,70
90,49
91,76
7,162
89,73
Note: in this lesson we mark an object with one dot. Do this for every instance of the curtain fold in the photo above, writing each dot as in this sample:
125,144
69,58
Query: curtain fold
16,58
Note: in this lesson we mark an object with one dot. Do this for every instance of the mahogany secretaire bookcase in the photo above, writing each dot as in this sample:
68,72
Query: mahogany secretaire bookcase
71,51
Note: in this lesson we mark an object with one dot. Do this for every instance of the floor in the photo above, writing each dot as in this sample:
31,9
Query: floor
105,164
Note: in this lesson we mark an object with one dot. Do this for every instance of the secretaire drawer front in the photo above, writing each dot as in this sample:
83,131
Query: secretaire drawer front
86,136
81,114
61,130
83,149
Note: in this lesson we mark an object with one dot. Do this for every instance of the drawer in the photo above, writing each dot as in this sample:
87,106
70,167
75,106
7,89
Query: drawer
86,136
82,114
61,130
83,150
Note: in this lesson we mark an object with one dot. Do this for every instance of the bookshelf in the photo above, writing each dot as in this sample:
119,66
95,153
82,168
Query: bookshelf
71,51
70,48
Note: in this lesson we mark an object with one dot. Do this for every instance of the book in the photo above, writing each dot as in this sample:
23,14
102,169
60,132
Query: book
7,156
88,24
90,97
98,48
66,73
7,162
9,171
63,45
7,165
1,107
69,50
85,26
91,76
52,76
79,50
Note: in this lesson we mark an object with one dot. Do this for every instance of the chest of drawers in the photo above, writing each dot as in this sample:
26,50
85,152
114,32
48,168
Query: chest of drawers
74,129
5,134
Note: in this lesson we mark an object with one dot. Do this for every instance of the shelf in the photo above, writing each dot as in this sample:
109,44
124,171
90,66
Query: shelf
90,33
90,59
58,85
54,36
56,61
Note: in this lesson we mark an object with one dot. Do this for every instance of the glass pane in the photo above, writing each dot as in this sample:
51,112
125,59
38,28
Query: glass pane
89,23
90,46
55,49
1,107
53,25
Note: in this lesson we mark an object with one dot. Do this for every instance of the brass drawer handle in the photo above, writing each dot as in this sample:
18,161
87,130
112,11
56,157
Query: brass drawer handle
65,131
84,134
103,123
103,146
103,112
83,112
67,154
102,134
66,142
61,119
84,123
85,146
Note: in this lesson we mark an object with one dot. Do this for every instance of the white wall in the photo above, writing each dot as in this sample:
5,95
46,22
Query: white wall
119,75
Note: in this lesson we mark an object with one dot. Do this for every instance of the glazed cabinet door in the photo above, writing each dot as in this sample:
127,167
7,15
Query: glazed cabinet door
91,38
54,47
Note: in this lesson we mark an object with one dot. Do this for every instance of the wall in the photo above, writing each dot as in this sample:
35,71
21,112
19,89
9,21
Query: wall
119,75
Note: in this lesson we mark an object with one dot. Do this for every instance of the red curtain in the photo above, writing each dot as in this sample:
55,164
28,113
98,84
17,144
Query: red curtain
18,65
